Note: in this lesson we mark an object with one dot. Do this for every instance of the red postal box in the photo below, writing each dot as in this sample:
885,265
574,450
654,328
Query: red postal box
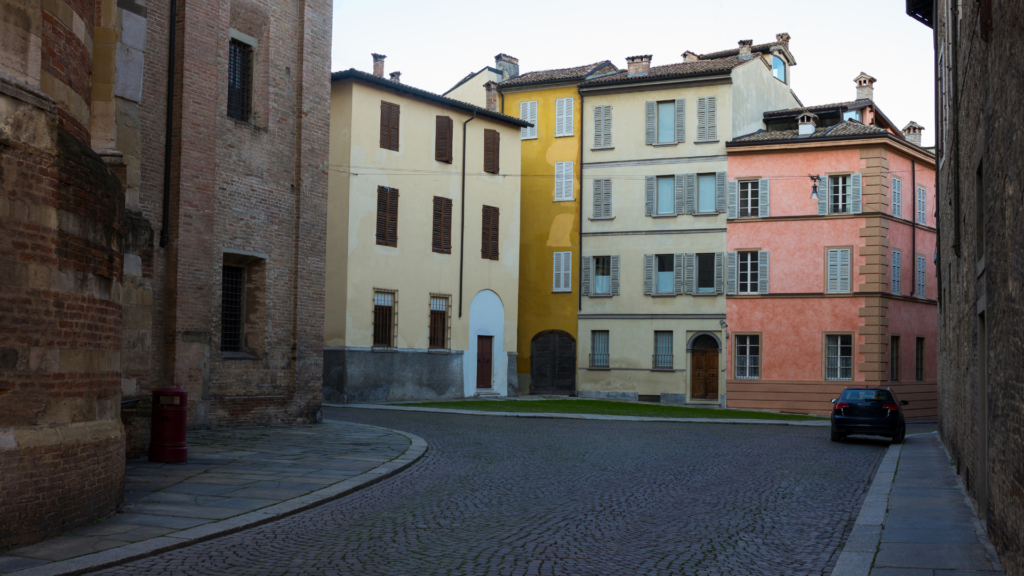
170,414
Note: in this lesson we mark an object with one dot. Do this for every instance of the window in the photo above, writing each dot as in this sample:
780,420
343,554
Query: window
920,277
602,126
707,119
838,357
749,198
666,274
442,237
706,193
564,117
897,271
239,80
894,359
748,357
231,308
919,359
528,113
439,321
564,175
666,195
897,197
599,348
492,140
748,272
838,270
666,122
663,350
384,319
489,234
852,115
603,198
387,216
922,204
443,139
389,125
778,68
706,273
562,275
602,275
839,199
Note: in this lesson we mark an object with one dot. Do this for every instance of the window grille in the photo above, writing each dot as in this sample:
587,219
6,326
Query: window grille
748,357
749,199
233,289
239,80
839,357
599,349
439,322
663,350
383,319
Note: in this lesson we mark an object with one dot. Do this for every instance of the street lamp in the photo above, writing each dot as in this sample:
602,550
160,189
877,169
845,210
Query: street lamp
814,188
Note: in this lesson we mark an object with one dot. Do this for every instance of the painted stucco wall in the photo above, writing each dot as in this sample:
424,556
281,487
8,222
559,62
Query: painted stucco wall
755,91
472,91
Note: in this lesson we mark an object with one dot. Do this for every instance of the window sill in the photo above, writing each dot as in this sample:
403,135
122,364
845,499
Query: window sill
601,296
534,138
565,200
706,142
564,135
663,370
438,351
664,215
704,295
602,148
705,214
238,356
561,291
599,368
664,295
665,144
601,219
383,349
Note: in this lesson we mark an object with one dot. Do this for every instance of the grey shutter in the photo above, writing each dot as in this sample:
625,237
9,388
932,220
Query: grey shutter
689,278
762,197
607,131
719,272
681,120
691,193
762,272
607,201
833,272
712,118
823,192
677,274
650,122
895,272
650,195
556,276
920,278
615,276
598,198
733,200
588,266
844,270
730,280
897,198
680,194
598,126
524,114
720,192
857,181
649,274
702,119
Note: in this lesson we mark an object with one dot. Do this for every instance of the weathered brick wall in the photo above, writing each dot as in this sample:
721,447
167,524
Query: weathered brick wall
988,135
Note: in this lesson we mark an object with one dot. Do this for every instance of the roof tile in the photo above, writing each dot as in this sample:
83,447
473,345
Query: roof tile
848,128
680,69
558,75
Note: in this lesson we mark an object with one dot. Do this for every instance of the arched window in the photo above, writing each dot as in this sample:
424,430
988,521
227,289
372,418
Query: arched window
779,68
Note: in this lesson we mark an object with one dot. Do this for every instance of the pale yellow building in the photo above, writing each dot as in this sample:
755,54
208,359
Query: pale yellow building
422,244
653,319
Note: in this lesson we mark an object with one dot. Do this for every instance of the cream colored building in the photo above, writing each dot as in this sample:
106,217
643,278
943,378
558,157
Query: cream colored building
652,323
422,244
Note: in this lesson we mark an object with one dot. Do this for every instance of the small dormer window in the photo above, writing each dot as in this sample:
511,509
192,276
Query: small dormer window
852,115
779,68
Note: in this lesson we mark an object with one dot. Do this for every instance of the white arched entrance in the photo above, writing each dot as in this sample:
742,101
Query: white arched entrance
486,327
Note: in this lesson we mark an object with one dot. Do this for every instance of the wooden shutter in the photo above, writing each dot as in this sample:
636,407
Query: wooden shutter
691,193
833,271
730,273
733,200
528,113
615,276
680,194
606,133
559,171
689,273
650,122
720,192
559,117
598,198
897,197
649,187
382,215
567,180
677,274
762,198
681,120
762,272
649,274
489,233
568,124
922,205
719,272
702,119
443,139
588,268
856,182
598,126
823,192
844,270
607,201
920,277
712,118
556,273
491,151
533,119
442,236
394,126
895,270
385,125
567,271
392,217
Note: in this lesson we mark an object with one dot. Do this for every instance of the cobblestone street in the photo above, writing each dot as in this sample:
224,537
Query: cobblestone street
500,495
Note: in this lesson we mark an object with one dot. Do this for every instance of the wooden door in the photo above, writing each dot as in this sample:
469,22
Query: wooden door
484,354
704,375
553,363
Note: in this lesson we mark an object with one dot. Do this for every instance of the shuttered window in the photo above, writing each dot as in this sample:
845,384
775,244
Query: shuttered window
603,198
562,274
922,205
838,357
442,236
387,216
706,273
748,357
563,117
749,199
389,125
666,274
492,141
602,126
384,318
602,275
564,175
897,270
897,197
240,80
662,350
599,349
666,122
443,139
666,195
839,197
707,119
838,271
920,277
528,113
439,320
489,234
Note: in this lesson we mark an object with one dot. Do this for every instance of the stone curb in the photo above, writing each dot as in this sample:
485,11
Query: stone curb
183,538
812,423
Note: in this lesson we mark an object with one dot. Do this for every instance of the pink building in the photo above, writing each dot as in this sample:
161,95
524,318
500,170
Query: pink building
836,288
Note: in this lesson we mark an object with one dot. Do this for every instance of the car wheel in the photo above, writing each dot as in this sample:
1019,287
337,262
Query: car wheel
898,438
836,436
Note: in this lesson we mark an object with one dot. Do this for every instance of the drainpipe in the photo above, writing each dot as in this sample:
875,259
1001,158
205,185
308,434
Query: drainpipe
579,273
913,223
462,238
168,128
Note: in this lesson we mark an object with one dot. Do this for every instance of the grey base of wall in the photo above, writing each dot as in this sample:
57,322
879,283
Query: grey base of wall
668,398
607,395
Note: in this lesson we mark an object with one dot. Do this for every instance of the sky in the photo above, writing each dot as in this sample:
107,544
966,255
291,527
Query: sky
435,44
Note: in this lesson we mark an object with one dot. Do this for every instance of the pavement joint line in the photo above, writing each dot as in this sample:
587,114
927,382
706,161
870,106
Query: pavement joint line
187,537
811,423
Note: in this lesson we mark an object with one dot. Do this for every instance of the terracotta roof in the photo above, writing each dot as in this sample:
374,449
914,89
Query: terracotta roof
848,128
851,105
681,69
559,75
763,48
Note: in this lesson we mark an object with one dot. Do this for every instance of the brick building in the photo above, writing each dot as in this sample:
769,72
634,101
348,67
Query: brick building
979,148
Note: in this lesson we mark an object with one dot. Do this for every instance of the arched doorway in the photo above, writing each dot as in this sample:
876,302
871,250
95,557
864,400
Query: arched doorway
704,349
553,363
485,364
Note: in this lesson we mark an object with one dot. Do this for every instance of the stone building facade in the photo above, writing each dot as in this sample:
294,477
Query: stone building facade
979,147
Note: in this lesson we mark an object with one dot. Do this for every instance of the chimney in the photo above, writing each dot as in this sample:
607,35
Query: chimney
637,65
865,86
690,56
807,122
912,133
509,66
492,95
745,49
378,65
396,77
782,38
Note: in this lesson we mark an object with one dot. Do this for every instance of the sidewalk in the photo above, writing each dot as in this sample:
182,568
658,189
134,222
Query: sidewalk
917,520
234,479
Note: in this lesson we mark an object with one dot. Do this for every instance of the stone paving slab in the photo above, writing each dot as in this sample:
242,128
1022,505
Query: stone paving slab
235,479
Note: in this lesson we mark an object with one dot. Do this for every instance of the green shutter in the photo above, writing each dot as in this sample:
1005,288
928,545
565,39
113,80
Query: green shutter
720,192
823,192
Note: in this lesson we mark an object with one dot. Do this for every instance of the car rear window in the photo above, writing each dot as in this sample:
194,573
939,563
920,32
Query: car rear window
866,395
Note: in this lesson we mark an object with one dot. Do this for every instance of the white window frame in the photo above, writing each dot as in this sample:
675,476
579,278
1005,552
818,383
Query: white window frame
896,269
744,370
564,177
837,185
753,190
752,277
838,372
528,133
564,117
561,272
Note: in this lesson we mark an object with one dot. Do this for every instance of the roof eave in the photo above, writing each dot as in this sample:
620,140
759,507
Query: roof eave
801,141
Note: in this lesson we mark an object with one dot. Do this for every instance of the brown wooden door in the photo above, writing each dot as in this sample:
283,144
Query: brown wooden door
484,349
704,376
553,363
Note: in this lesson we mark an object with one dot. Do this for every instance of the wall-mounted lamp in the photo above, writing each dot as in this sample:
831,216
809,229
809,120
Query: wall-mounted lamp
814,188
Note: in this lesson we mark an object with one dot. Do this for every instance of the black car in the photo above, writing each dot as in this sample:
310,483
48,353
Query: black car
874,411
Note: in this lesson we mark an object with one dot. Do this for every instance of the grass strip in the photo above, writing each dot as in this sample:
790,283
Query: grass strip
606,407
